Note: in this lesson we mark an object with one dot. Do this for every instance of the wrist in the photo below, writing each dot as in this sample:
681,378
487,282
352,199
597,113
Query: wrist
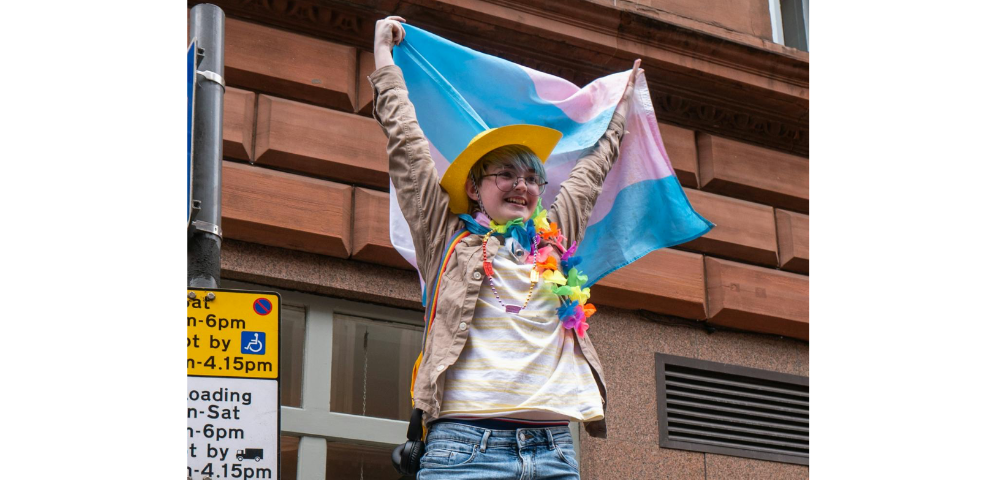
383,57
622,108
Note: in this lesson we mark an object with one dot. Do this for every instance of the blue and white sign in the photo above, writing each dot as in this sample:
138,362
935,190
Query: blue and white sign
252,342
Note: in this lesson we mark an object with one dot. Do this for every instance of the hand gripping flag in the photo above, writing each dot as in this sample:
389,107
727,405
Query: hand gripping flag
458,92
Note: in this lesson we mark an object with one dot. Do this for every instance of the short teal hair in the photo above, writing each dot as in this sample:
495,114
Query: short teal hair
517,156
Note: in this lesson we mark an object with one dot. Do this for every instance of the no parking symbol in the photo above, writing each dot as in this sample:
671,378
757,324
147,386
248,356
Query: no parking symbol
262,306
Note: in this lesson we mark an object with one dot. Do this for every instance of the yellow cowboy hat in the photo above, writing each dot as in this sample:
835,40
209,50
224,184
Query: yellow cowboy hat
540,140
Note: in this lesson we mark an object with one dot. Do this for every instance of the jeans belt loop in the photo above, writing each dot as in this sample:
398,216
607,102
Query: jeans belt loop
482,445
552,442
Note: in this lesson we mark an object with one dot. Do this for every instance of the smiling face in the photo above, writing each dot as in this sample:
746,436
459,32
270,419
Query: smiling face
505,206
510,161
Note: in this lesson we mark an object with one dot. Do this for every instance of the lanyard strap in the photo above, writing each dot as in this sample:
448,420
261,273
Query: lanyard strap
434,289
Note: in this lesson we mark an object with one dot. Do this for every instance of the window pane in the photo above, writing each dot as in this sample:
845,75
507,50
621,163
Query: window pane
289,456
383,389
293,334
345,460
793,22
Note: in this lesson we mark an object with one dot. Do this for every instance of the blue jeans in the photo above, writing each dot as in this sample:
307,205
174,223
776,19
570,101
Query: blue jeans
456,451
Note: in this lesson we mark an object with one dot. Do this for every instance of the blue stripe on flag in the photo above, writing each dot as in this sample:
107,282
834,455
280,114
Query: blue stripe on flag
458,92
617,240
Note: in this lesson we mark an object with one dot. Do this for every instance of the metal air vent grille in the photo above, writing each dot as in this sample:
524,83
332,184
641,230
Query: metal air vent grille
732,410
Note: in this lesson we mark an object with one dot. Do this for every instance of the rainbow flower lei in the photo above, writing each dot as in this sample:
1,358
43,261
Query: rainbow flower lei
561,274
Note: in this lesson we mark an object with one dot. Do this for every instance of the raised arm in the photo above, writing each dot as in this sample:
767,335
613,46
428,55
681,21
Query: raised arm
411,169
389,32
579,192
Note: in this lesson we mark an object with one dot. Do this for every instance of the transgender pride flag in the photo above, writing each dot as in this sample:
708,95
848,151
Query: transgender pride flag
458,92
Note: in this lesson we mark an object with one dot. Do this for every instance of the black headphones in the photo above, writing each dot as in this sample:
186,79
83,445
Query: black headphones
406,457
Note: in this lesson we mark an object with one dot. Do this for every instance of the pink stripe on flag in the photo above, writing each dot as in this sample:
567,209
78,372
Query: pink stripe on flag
641,156
440,163
580,105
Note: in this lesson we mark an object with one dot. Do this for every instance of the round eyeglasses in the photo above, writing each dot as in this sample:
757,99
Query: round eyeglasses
507,181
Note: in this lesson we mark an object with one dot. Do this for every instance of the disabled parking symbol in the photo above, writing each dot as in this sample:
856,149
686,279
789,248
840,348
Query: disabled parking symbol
252,343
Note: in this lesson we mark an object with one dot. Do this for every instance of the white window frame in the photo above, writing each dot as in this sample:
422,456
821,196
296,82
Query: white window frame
777,27
777,32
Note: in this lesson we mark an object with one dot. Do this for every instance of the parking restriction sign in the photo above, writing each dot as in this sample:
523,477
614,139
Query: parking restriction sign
233,409
233,335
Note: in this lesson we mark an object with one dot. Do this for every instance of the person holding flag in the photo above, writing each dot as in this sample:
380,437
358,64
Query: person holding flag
506,361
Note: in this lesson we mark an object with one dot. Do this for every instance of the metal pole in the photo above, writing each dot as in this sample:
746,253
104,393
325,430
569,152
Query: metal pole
207,25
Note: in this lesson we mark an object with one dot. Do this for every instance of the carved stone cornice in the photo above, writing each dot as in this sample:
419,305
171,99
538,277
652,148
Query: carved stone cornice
342,23
724,86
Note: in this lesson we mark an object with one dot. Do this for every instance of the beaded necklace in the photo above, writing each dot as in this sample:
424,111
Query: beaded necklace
565,280
488,268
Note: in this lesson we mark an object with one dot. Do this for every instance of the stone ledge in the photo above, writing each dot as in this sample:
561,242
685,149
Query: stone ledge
664,281
680,146
291,65
748,172
237,124
320,274
321,142
744,231
757,299
370,239
284,210
793,241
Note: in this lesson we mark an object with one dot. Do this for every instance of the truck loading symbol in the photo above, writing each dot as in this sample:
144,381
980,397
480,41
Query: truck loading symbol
255,453
252,343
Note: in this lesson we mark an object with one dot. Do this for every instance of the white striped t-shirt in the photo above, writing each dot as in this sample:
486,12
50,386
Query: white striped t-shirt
520,366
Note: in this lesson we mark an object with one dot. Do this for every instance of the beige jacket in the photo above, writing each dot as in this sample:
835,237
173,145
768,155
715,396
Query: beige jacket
425,206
